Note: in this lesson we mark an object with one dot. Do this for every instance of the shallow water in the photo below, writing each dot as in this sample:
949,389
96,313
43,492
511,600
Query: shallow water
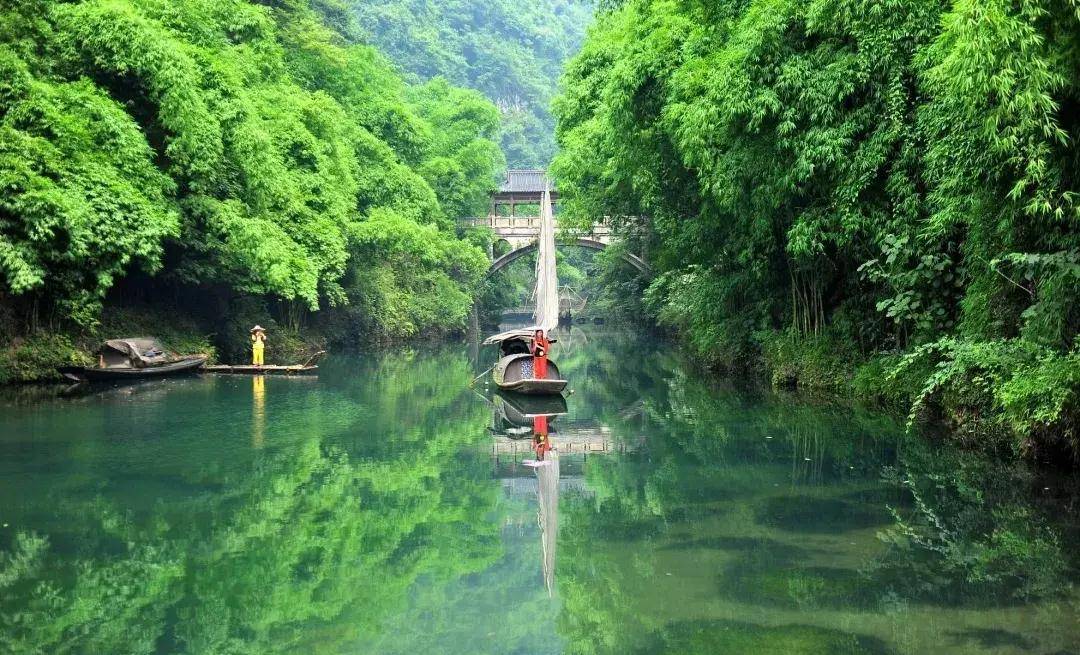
384,508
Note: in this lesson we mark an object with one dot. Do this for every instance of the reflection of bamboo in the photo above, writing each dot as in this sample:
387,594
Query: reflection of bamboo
807,454
547,489
474,335
258,419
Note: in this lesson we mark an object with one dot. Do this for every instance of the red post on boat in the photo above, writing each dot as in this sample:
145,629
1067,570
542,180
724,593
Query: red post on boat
540,355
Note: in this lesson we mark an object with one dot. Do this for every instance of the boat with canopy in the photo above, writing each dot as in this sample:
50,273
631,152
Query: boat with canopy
525,364
134,358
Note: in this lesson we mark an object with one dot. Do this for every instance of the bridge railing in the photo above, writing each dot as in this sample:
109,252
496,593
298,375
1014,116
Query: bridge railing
524,223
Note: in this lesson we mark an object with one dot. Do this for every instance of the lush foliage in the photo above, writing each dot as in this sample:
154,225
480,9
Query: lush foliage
234,147
512,52
896,175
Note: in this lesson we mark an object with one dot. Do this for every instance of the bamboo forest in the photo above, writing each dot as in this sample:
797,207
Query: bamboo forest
584,327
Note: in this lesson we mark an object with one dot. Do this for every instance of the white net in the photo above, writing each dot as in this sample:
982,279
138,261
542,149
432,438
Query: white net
547,281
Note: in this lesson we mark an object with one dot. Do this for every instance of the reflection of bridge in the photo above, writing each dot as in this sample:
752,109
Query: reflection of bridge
571,441
515,219
574,445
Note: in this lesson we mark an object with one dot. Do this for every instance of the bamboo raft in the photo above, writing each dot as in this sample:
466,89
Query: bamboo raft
307,368
241,369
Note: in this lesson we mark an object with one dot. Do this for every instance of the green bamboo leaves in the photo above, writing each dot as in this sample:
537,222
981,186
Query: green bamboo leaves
887,173
251,141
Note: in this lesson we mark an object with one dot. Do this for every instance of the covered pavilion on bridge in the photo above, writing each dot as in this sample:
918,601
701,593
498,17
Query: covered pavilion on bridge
522,187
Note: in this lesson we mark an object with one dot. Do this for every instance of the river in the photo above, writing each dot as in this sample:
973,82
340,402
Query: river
384,508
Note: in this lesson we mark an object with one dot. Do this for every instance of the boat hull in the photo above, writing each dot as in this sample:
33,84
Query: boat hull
514,373
521,410
86,374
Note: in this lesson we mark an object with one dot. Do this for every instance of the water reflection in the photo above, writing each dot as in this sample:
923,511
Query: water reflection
385,512
258,418
547,516
517,415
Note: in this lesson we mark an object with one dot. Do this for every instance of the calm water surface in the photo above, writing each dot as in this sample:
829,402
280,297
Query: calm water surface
384,508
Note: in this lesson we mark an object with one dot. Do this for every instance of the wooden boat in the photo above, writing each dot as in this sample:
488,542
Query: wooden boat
514,370
307,368
131,359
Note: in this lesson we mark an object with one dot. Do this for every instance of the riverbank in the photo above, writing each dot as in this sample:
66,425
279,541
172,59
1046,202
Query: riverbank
1009,397
34,356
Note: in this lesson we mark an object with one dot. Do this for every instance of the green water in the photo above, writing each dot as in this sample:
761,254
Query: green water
382,508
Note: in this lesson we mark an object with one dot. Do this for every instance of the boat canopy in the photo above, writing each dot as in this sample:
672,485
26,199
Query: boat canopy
518,333
134,352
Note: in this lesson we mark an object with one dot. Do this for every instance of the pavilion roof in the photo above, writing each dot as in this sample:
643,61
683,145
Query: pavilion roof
524,181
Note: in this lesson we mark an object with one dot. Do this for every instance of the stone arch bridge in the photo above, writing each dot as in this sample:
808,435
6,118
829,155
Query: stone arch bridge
514,220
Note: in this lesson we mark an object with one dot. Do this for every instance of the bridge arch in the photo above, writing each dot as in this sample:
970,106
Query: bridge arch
514,255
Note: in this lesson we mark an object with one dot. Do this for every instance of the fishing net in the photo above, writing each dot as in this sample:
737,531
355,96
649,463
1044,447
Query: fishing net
547,281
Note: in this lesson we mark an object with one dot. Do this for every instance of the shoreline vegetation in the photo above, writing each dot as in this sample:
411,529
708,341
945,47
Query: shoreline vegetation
879,204
877,199
185,167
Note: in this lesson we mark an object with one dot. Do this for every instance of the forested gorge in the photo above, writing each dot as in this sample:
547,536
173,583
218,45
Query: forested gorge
218,151
877,198
511,52
872,196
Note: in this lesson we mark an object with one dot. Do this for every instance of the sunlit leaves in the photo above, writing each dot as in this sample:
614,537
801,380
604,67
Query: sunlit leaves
892,172
81,196
411,278
251,139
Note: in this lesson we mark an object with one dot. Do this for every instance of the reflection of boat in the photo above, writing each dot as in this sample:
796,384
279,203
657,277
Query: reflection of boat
134,358
247,369
521,410
125,389
524,364
514,412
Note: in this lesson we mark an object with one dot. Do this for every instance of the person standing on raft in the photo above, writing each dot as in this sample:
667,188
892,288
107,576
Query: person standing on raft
258,344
